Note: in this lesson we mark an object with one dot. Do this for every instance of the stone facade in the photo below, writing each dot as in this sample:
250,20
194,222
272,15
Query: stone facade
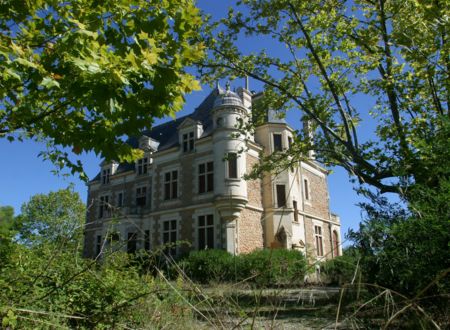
189,187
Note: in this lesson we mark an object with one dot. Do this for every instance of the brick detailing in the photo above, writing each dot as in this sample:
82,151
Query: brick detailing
254,189
250,231
318,203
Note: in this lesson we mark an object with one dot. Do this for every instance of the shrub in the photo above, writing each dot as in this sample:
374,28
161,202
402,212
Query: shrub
341,269
261,267
208,266
272,267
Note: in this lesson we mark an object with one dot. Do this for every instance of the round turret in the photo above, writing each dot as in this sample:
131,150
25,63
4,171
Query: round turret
227,98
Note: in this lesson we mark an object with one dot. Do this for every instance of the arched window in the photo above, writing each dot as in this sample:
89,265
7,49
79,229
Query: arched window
336,243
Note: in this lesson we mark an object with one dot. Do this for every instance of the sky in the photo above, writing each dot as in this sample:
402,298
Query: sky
24,174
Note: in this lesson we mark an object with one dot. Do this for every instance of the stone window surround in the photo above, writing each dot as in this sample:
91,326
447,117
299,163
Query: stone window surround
147,190
316,223
217,229
188,141
306,180
142,165
275,195
196,163
238,172
169,217
164,170
104,211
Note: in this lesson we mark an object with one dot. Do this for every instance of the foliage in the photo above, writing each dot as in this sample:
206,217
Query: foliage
342,269
407,252
209,266
350,67
261,267
57,217
82,74
45,286
6,231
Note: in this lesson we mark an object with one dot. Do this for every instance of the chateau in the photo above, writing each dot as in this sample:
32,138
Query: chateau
189,187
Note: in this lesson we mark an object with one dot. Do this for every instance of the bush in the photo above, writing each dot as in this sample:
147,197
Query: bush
341,269
208,266
261,267
272,267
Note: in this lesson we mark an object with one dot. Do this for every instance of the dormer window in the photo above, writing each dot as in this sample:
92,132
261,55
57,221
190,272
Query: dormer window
188,142
142,166
106,173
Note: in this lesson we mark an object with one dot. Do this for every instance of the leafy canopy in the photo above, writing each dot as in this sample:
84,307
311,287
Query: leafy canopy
81,74
55,218
385,62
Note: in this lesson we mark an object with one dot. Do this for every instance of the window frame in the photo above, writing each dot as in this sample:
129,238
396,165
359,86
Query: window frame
106,176
277,191
318,239
171,232
207,177
188,139
141,194
205,232
171,185
276,146
306,190
104,207
295,207
232,159
142,166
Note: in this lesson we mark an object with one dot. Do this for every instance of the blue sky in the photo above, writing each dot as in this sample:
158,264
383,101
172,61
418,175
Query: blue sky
24,174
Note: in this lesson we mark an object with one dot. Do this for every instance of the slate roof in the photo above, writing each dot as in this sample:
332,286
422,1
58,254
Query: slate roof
166,133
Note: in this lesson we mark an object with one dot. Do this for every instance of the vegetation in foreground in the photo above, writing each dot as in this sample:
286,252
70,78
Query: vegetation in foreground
45,283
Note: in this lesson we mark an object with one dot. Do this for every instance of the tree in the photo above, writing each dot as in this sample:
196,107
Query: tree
57,217
327,56
82,74
350,66
6,231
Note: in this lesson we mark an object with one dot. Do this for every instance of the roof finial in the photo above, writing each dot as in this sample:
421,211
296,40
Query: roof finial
228,85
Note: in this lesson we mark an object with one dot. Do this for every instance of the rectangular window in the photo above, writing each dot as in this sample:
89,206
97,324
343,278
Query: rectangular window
105,176
120,199
281,195
232,165
294,203
142,166
206,232
147,240
306,189
131,242
171,185
188,142
205,177
98,245
319,240
277,142
170,236
141,196
104,207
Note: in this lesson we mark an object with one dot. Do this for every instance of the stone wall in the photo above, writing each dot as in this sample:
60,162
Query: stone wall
318,204
254,189
250,231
